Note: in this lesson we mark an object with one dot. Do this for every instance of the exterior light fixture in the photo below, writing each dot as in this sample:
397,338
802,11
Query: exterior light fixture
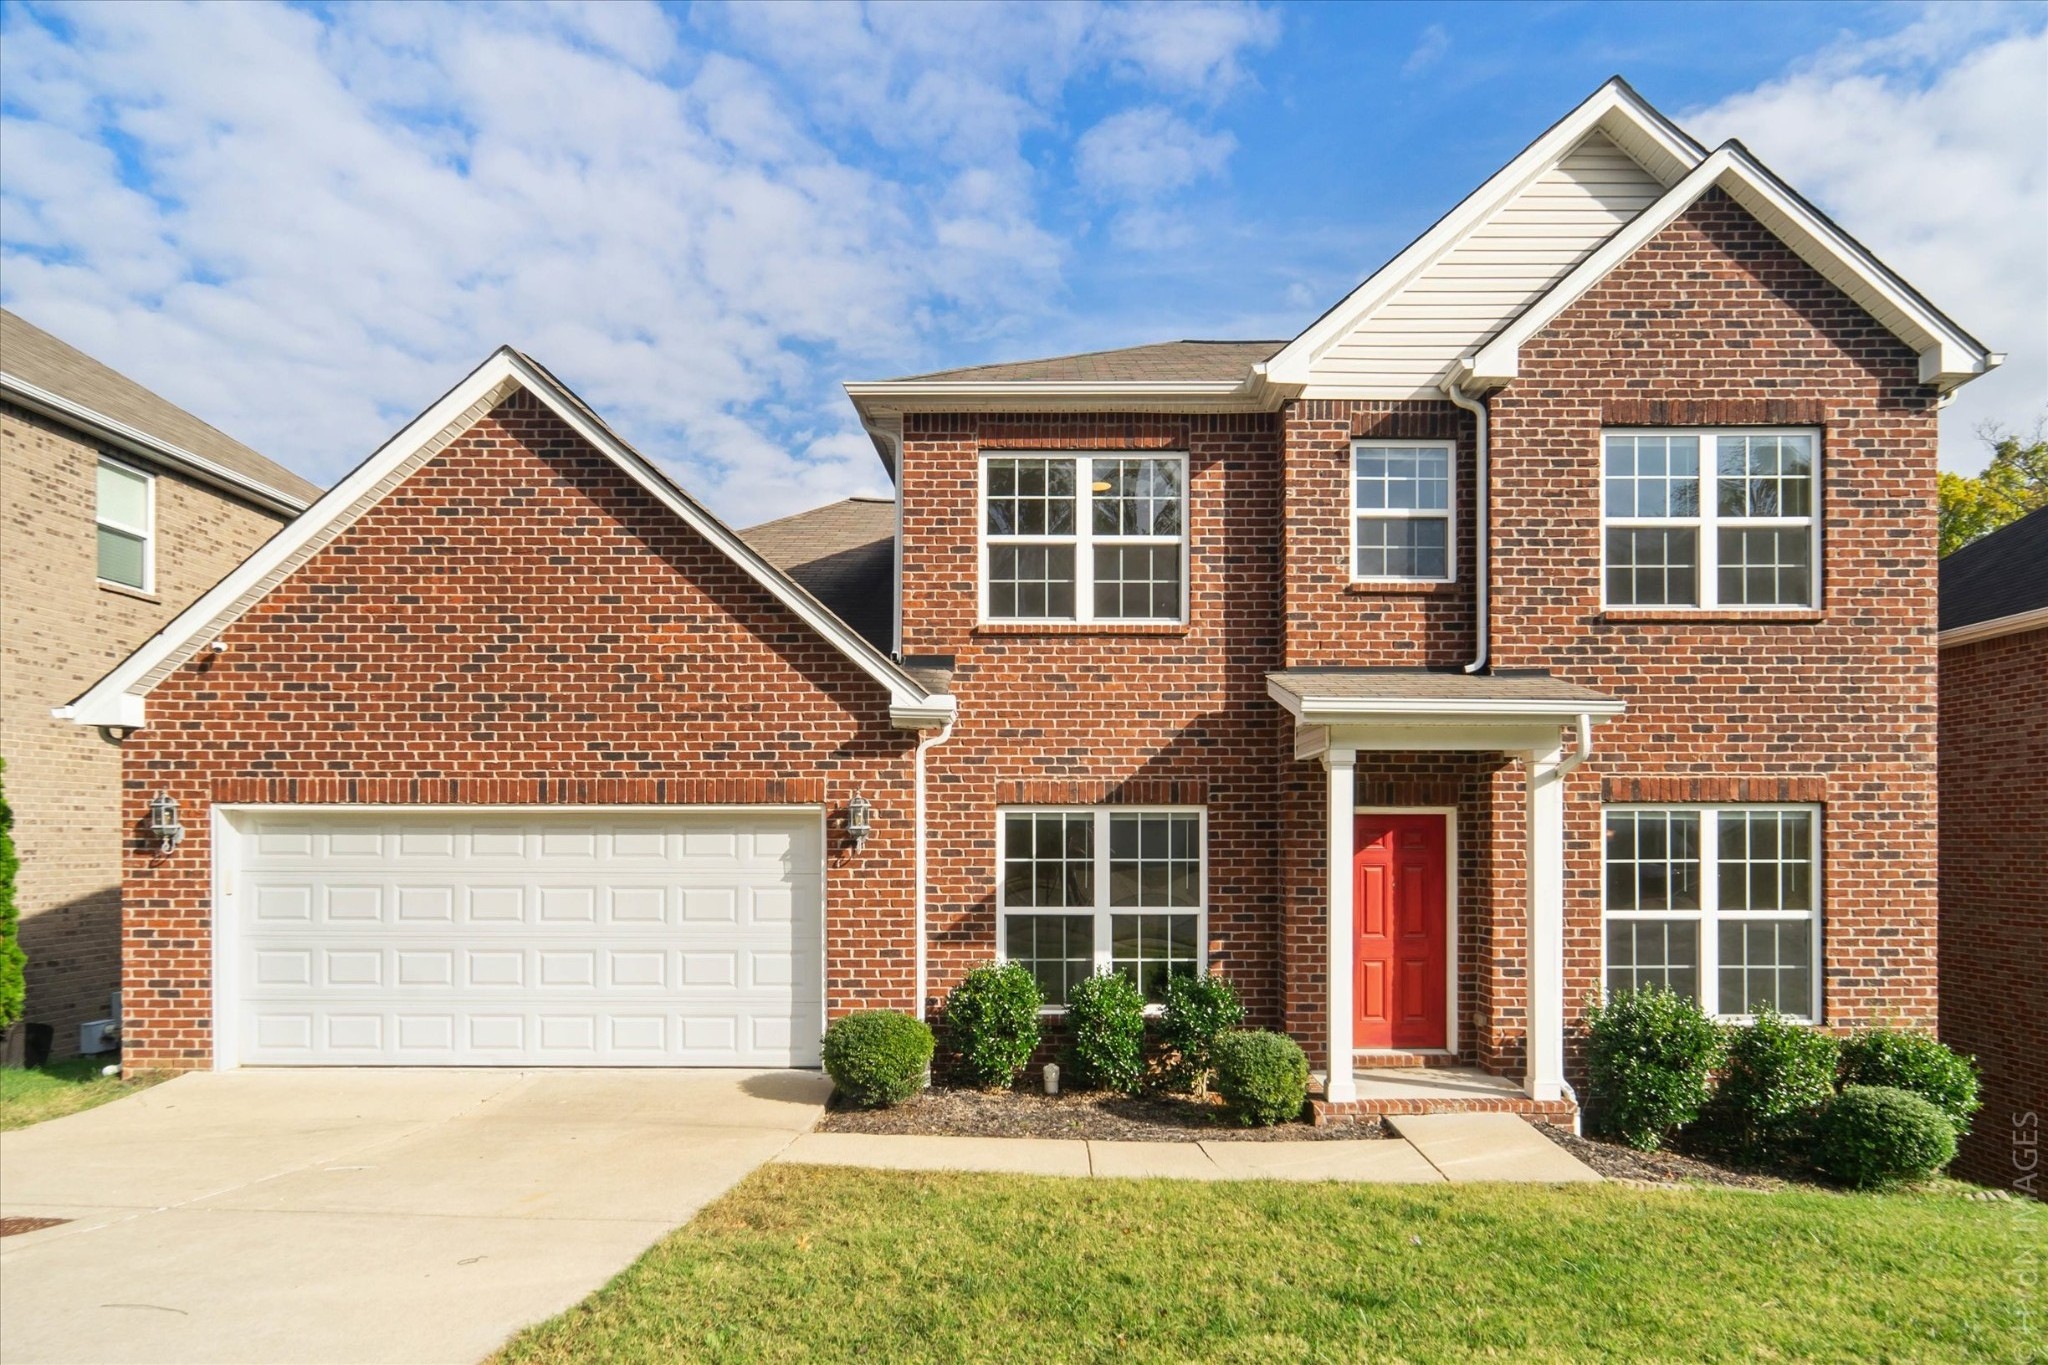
859,819
163,821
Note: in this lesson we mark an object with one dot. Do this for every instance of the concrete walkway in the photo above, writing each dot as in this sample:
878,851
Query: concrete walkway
362,1216
1431,1149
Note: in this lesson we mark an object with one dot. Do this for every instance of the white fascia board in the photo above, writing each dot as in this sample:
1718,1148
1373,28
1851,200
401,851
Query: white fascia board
137,441
117,698
1614,107
1312,710
2016,624
873,397
1949,356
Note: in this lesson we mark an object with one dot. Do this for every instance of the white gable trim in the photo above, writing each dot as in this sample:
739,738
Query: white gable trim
1949,356
1654,141
119,698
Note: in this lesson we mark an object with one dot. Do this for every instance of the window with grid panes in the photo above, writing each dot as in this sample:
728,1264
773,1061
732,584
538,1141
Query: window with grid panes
1084,538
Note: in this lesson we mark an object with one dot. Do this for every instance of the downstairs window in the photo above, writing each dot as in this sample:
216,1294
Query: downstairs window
1084,890
1718,903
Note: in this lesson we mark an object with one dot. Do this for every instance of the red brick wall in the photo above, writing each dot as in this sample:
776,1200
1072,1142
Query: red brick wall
1714,321
1113,710
1994,893
517,622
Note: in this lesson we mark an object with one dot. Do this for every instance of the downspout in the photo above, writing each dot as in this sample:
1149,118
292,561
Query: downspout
1482,537
925,741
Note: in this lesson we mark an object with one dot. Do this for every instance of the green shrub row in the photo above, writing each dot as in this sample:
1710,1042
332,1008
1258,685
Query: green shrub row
1882,1106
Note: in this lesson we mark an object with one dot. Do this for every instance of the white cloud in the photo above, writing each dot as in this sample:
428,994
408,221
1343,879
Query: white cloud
1147,153
1429,50
1931,147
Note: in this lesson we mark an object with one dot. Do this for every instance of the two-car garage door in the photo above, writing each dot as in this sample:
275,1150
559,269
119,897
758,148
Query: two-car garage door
528,938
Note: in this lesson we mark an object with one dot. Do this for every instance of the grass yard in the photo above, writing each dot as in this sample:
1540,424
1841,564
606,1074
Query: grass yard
51,1092
819,1263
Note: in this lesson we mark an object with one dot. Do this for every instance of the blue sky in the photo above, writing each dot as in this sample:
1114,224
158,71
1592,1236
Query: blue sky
305,222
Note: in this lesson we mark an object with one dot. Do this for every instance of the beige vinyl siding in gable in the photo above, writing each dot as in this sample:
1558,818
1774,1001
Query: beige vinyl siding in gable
1481,284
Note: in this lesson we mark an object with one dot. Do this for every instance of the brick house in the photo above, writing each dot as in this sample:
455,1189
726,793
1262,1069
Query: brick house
117,510
1994,826
1557,609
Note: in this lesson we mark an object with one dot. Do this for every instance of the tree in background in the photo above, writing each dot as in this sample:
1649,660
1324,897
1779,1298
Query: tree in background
12,989
2014,484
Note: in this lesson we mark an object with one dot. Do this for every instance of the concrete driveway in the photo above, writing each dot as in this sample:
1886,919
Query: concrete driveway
361,1216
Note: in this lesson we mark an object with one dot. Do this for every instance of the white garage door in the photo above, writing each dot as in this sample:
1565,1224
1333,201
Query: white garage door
526,938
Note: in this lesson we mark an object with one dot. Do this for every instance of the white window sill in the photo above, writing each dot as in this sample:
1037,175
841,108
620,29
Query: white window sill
123,590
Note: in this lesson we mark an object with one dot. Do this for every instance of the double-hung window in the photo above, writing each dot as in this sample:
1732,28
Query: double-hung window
1401,511
1711,518
1718,903
125,517
1083,891
1084,538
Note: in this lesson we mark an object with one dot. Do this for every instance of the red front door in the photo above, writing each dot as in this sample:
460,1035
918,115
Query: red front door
1401,922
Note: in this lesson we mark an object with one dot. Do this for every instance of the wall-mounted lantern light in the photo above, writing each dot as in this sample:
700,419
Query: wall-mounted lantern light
860,813
163,821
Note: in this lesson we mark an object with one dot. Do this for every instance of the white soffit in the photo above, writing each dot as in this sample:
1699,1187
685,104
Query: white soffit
118,699
1949,356
1493,254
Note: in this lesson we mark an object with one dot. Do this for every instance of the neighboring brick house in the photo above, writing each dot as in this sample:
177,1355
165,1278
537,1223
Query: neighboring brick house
1994,841
1557,609
117,509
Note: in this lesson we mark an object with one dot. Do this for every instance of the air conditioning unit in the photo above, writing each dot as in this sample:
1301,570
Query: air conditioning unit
98,1035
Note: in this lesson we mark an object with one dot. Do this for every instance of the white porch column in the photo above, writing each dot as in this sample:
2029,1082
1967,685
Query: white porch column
1543,786
1343,953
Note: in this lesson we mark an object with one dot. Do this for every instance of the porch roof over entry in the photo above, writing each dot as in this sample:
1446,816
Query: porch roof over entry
1327,696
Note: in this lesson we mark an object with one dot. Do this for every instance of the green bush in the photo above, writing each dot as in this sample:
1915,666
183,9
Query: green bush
1106,1033
1775,1080
1651,1054
1871,1135
1199,1009
991,1021
1262,1077
1918,1062
877,1057
13,989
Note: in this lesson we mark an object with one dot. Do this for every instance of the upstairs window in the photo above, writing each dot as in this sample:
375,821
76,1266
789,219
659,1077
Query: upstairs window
126,513
1091,890
1711,519
1401,511
1084,538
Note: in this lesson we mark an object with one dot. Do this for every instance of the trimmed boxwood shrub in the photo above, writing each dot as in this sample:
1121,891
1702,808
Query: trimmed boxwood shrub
1262,1077
1871,1135
1106,1033
877,1057
1776,1077
991,1021
1651,1054
1917,1062
1199,1009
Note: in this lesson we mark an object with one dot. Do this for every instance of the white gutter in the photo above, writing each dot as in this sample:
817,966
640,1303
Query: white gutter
2033,619
1482,537
138,442
1578,755
924,742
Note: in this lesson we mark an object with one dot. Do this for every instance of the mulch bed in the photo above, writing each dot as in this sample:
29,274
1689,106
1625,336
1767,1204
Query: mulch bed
1666,1167
945,1112
11,1226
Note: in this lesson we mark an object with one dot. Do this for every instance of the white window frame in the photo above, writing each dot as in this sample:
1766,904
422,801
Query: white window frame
147,531
1710,916
1084,540
1103,910
1709,523
1449,515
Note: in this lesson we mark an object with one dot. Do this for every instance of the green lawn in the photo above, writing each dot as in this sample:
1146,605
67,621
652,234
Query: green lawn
817,1263
51,1092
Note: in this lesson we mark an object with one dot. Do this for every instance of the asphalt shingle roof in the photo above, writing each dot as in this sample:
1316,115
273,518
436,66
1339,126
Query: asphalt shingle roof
843,554
1164,360
28,352
2003,574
